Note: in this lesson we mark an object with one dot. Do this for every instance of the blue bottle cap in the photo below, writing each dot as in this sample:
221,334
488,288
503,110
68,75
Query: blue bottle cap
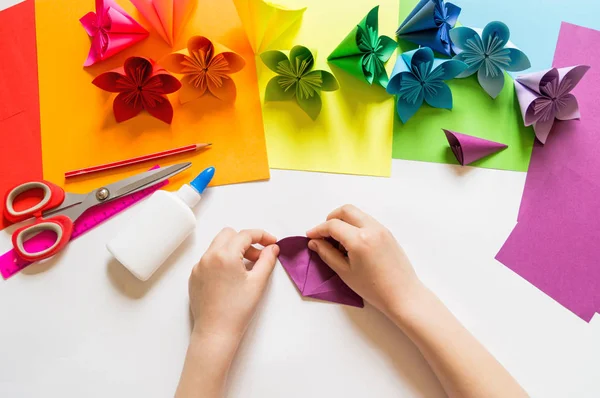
201,182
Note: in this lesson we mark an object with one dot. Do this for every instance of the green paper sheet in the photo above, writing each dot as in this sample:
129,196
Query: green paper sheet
353,133
474,113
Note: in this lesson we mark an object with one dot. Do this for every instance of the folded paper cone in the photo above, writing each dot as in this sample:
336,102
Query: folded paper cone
469,149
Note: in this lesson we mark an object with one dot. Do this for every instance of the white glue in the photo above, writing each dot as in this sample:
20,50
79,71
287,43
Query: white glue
163,223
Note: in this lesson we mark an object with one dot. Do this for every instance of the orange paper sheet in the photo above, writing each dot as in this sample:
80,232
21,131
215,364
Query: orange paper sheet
20,149
78,126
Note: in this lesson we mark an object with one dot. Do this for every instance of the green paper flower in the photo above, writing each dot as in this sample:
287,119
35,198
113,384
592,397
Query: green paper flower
363,53
296,79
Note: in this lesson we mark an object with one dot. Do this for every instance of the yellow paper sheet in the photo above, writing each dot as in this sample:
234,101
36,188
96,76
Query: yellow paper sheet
78,126
353,134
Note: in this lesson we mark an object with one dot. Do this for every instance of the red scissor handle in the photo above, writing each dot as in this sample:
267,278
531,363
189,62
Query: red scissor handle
62,226
54,196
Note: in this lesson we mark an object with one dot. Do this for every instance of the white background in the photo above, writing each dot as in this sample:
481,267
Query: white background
79,325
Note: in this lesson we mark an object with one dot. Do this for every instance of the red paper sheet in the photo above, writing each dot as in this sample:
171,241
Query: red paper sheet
20,142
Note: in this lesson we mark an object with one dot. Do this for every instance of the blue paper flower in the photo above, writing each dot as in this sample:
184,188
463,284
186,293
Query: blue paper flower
489,53
419,77
429,25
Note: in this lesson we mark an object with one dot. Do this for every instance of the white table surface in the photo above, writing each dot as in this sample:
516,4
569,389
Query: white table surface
79,325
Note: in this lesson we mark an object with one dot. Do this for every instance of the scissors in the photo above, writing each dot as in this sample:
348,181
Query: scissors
57,211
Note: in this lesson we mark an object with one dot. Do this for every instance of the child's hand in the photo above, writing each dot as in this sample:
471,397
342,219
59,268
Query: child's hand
376,266
223,293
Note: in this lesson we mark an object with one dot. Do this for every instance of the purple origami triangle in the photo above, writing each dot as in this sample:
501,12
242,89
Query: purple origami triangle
312,276
469,149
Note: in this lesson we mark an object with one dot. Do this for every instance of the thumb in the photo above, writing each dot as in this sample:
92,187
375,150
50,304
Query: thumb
265,264
329,254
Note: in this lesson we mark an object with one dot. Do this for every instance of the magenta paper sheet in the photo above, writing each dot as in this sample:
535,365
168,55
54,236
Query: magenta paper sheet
556,244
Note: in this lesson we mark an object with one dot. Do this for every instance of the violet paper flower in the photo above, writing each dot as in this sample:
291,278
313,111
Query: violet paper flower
546,96
429,25
489,53
419,77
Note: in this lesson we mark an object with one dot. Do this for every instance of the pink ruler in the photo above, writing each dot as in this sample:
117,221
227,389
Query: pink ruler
11,263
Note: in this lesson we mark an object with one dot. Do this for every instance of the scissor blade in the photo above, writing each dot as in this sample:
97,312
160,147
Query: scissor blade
145,180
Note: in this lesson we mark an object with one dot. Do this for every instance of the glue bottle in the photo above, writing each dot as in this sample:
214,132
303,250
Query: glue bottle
164,222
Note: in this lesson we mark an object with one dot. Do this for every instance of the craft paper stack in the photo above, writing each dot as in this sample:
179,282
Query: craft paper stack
555,244
79,128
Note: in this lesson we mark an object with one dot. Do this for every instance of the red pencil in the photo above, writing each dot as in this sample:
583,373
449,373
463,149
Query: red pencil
128,162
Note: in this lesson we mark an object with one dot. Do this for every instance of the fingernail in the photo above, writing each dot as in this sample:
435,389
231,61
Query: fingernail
312,245
275,250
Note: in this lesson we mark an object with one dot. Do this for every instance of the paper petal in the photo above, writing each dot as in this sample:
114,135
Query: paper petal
234,61
574,73
272,59
496,28
441,99
275,92
420,18
452,68
189,92
311,105
168,83
173,63
526,97
518,60
301,53
348,47
492,85
542,130
570,108
532,80
162,110
138,67
330,83
336,291
125,110
388,46
406,109
108,81
419,56
461,34
196,43
227,92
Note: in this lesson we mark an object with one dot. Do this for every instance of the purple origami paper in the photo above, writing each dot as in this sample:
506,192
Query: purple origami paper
546,96
555,245
111,30
469,149
312,276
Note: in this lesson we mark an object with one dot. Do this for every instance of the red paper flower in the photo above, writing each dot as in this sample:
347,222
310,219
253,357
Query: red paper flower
141,85
206,67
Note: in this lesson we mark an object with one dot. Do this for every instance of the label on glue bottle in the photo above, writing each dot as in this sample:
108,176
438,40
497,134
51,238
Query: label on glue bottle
163,223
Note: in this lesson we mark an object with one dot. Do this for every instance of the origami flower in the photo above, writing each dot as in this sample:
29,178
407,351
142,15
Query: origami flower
206,67
363,53
489,53
429,25
167,17
546,96
111,29
418,77
296,79
141,85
